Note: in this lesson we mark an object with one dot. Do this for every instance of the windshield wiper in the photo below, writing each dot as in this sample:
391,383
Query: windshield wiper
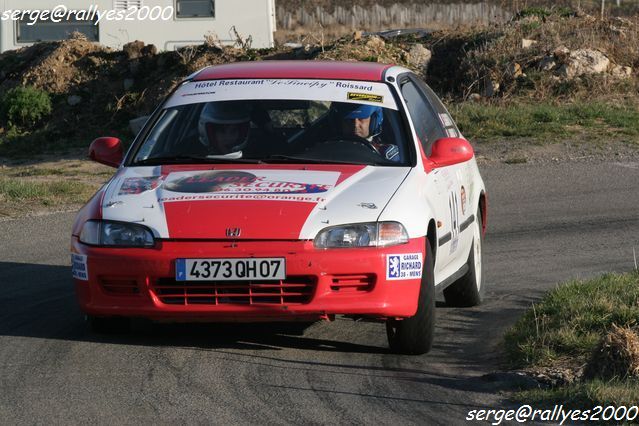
188,159
292,159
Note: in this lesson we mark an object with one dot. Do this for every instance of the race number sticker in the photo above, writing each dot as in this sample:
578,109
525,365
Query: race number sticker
453,205
79,268
405,266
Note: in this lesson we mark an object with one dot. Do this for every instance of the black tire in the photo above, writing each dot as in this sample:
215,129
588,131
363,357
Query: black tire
109,325
414,335
469,290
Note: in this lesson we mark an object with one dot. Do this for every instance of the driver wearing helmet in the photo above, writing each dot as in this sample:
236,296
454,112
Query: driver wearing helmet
364,121
224,127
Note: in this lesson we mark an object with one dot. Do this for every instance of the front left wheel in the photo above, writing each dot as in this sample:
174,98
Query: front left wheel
414,335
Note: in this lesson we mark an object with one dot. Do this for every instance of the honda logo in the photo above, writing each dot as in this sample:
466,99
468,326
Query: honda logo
233,232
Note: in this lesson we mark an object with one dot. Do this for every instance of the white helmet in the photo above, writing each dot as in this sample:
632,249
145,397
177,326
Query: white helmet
224,126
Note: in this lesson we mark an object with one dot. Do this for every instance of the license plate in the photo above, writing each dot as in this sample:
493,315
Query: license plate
235,269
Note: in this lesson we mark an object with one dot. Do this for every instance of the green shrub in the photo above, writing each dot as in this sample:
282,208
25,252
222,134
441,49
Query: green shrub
25,106
539,12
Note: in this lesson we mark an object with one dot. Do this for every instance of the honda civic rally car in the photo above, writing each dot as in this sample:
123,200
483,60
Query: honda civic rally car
287,191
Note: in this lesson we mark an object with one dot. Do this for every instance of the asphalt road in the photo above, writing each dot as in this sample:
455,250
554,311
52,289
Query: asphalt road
546,224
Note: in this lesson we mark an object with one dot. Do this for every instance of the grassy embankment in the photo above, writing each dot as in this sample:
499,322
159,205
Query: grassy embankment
547,122
587,327
61,185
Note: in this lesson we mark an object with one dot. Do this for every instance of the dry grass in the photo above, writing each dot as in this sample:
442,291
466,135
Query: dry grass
616,356
490,53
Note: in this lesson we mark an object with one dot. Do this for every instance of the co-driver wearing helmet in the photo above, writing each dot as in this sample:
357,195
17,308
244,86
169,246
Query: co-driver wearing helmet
224,127
364,121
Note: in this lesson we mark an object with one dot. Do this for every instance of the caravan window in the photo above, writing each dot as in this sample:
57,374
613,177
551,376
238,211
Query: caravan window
47,30
195,8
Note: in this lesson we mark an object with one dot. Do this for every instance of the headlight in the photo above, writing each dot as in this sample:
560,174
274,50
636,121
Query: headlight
118,234
374,234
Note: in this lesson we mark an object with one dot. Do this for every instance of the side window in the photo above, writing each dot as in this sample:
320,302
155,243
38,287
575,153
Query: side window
444,116
195,8
425,120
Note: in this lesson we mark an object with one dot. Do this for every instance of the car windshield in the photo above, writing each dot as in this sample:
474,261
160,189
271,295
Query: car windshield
277,121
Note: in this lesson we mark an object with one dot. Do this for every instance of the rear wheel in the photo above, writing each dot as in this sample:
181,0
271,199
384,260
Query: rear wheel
469,289
109,325
414,335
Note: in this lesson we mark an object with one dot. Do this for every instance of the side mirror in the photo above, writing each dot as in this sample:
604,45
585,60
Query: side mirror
107,151
449,151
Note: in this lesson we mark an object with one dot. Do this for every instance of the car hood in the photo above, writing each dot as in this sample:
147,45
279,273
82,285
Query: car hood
249,202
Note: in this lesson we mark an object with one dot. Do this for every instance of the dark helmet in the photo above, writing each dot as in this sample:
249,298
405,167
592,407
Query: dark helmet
349,111
221,114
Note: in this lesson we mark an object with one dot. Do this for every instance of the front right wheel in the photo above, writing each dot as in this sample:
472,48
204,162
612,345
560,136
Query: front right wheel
414,335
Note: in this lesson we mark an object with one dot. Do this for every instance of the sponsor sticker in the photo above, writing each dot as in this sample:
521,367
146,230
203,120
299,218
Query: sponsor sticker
79,268
138,185
446,120
310,186
210,181
368,97
406,266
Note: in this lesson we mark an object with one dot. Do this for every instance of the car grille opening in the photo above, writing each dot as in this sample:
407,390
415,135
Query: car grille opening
119,286
352,283
291,291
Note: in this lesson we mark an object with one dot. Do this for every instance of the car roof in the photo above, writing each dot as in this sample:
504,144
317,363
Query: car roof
333,70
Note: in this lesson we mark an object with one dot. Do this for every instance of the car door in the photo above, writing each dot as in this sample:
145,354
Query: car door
448,193
463,171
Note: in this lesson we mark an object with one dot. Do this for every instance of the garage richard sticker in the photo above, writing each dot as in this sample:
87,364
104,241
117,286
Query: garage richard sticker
405,266
79,268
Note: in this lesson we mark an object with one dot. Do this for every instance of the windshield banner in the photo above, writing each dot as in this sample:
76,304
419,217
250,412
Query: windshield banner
361,92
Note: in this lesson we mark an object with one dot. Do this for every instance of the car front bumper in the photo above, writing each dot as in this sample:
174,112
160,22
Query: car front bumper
135,282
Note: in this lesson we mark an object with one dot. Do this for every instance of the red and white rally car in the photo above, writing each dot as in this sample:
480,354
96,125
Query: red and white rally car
287,190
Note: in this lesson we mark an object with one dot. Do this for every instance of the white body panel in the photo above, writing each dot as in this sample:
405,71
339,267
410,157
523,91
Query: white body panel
254,18
439,199
353,200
